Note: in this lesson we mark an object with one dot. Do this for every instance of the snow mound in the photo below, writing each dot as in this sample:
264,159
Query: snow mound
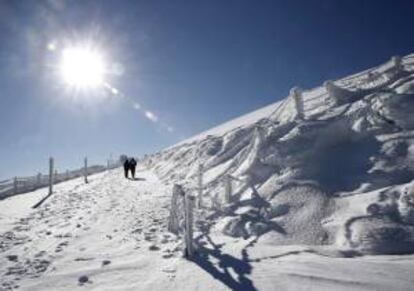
313,168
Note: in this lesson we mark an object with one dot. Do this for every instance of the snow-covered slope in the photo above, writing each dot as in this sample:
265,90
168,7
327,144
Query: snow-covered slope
111,234
19,185
311,198
340,175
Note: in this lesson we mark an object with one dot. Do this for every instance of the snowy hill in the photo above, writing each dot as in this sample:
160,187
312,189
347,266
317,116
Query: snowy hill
314,192
336,172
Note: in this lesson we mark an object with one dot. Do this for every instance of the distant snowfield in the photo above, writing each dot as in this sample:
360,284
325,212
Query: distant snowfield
113,231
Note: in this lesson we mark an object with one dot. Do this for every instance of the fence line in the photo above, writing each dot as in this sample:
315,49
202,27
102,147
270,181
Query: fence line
339,92
19,185
181,218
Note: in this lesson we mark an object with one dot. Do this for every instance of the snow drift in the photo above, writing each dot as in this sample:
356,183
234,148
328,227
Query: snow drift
336,169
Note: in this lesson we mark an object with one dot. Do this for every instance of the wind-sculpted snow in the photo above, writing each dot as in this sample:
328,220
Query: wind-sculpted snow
356,137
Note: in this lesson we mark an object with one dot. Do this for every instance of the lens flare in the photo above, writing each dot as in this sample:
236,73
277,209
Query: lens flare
82,67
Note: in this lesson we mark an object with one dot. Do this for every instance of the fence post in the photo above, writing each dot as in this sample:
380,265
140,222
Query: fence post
189,205
200,185
107,164
86,170
38,180
15,185
227,188
331,88
173,221
296,94
51,162
397,62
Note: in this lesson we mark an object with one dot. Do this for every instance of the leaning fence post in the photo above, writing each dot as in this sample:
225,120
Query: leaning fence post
227,188
15,185
51,176
86,170
200,185
189,205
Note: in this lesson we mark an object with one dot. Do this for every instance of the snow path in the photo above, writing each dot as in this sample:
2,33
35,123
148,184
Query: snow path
87,230
113,231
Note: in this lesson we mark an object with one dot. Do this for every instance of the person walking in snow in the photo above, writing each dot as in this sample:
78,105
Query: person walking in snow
126,167
132,166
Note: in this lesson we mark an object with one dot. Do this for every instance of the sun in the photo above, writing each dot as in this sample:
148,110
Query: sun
82,67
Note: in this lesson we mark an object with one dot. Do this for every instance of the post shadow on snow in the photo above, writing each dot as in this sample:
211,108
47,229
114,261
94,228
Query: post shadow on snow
221,270
226,262
41,201
262,214
256,200
137,179
259,213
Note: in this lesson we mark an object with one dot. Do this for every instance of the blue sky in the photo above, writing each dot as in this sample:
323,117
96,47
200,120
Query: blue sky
192,64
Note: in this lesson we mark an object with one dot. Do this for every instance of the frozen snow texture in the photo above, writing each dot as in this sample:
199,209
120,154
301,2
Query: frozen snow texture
305,154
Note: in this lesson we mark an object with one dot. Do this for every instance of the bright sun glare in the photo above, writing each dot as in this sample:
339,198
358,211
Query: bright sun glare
82,67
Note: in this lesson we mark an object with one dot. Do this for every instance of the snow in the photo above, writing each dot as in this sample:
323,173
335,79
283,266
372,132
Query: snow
321,202
237,122
111,234
27,184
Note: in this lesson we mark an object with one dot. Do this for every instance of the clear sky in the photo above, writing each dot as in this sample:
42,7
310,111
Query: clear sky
180,67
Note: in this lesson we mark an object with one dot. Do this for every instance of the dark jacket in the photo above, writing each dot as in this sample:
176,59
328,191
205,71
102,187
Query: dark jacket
132,163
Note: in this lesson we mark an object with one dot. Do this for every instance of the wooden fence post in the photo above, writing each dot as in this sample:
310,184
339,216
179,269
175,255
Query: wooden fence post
181,217
189,206
200,185
173,219
331,88
296,94
397,62
51,162
38,180
227,188
86,170
15,185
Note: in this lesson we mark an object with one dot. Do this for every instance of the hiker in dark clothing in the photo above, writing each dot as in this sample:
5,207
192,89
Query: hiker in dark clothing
126,167
132,166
